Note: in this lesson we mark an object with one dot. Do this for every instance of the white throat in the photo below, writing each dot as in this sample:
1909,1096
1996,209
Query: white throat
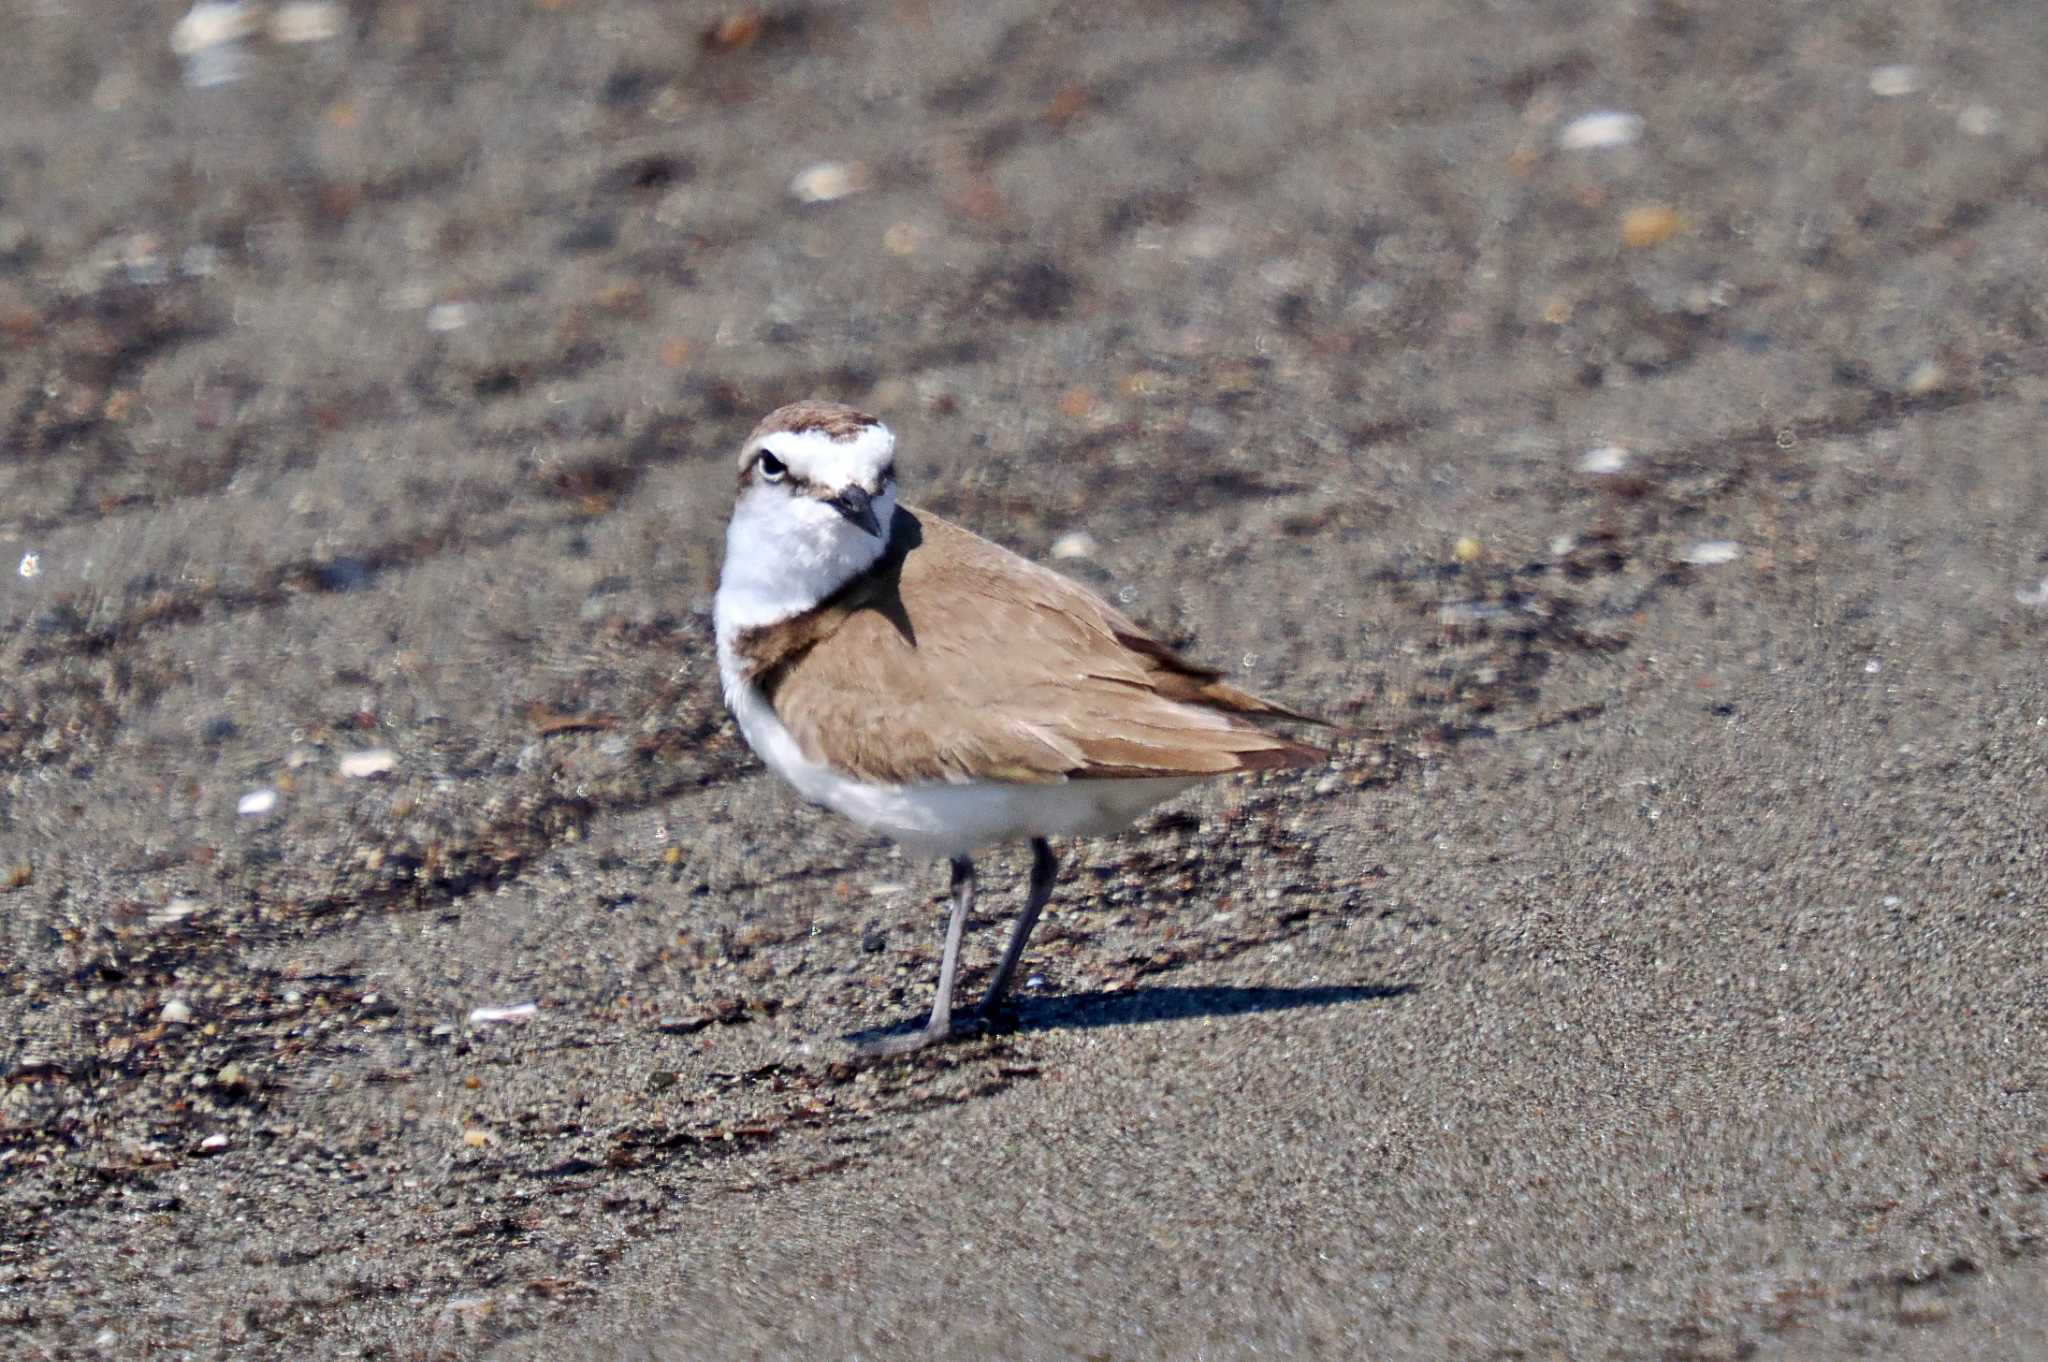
784,555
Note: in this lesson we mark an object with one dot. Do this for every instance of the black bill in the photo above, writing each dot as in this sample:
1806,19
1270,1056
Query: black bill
857,506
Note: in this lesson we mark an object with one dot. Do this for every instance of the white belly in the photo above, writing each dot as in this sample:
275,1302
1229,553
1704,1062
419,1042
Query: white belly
943,819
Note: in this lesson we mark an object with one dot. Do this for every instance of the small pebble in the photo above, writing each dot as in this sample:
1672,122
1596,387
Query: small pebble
177,1012
2035,596
903,238
1074,544
511,1013
256,803
1711,553
305,21
1890,82
445,317
829,180
1466,550
31,566
1604,460
1978,120
213,1144
231,1077
1873,667
1648,224
1926,378
1596,131
375,761
476,1138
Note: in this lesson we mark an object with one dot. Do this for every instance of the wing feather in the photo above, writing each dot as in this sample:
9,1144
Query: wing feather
956,660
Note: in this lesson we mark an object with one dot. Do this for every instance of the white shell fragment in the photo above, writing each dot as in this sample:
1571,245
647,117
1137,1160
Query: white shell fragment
2035,596
1605,460
31,566
209,38
1597,131
1711,553
212,23
1890,82
256,803
829,180
176,911
1074,544
375,761
513,1012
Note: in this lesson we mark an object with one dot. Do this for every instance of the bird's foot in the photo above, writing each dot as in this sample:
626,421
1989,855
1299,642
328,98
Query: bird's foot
934,1032
994,1015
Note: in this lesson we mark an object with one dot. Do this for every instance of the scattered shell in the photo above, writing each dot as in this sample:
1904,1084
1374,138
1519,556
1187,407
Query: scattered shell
213,1144
2036,596
177,1012
305,21
1978,120
374,761
1604,460
1648,224
1595,131
1074,544
511,1012
177,910
1873,667
1711,553
445,317
829,180
31,566
256,803
1889,82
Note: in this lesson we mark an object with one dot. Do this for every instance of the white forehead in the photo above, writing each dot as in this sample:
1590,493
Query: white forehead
817,457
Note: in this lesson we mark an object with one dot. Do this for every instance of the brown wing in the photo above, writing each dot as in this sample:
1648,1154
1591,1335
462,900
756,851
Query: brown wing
957,660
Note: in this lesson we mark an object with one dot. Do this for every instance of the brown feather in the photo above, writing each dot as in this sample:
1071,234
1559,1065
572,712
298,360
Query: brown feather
954,659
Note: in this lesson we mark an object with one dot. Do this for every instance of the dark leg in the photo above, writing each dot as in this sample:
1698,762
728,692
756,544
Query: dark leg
1045,868
941,1024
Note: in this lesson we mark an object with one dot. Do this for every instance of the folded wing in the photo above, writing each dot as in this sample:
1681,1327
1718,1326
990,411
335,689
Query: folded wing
956,660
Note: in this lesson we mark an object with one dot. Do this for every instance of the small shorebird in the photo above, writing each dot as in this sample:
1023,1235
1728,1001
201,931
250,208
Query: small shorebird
941,690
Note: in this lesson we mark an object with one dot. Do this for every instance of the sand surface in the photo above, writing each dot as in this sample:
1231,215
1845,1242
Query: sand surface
1656,971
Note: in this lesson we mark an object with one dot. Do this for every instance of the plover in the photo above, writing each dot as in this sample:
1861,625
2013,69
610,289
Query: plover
941,690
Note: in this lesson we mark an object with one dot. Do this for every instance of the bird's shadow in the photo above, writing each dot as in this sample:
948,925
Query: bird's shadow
1138,1006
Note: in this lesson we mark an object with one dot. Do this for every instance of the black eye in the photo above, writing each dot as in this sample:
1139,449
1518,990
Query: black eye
771,467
